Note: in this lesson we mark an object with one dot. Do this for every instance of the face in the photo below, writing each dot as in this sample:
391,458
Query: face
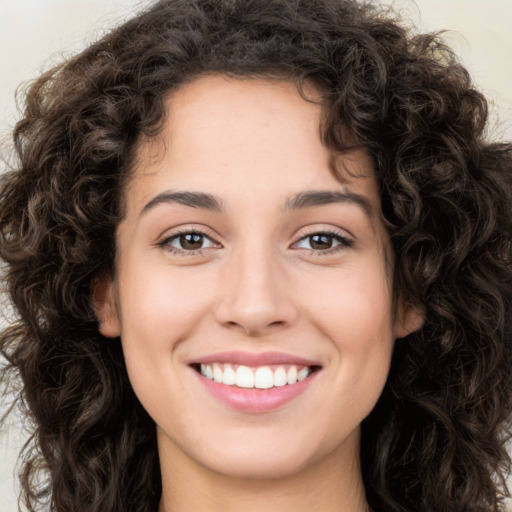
252,292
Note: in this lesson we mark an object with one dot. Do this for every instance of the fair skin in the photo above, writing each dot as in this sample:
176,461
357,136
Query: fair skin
260,266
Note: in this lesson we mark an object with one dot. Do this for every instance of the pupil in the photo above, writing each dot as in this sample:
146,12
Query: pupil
321,241
191,241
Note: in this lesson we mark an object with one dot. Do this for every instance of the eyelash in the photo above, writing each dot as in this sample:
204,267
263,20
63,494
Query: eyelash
165,243
343,242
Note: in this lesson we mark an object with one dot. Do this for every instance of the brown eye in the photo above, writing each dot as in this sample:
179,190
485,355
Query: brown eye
323,242
191,241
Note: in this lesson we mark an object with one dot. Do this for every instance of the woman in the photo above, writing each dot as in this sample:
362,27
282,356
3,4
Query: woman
260,255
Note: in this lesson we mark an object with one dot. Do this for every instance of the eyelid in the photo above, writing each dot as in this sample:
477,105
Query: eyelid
170,235
345,241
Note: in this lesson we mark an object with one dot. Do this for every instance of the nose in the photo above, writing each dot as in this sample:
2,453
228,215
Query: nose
255,297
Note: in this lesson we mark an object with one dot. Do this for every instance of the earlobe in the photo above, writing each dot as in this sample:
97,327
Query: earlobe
408,320
103,297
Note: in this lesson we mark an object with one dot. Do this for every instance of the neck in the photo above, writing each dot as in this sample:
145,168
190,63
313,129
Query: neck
333,484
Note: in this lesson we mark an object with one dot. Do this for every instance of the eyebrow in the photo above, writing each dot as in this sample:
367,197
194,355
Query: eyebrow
192,199
313,198
302,200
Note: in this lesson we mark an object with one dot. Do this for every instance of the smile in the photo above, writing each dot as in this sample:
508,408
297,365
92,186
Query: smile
255,383
262,377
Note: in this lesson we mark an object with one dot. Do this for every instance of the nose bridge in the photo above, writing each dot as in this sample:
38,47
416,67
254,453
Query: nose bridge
254,295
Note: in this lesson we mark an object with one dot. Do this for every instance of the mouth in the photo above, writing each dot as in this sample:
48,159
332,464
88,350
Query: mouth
255,377
255,382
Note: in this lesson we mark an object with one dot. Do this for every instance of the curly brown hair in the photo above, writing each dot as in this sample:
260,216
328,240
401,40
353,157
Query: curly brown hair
436,439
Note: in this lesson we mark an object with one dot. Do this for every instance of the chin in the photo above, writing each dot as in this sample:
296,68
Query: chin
261,468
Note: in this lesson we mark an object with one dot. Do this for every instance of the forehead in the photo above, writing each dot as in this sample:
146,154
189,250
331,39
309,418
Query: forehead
222,133
241,111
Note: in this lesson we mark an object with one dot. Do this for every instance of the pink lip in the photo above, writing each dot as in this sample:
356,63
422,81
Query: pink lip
252,399
254,359
255,400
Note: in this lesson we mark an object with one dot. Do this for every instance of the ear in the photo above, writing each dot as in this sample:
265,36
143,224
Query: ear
408,319
103,297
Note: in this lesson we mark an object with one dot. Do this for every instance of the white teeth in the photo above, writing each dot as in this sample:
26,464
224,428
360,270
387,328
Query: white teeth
263,377
280,377
291,375
303,374
218,374
244,377
229,375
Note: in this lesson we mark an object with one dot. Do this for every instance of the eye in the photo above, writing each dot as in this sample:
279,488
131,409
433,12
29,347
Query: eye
323,242
187,241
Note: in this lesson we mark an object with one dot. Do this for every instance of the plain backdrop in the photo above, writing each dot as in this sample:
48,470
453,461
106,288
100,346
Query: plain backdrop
35,34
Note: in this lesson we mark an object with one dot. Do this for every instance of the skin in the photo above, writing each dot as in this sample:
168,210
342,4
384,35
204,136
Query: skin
258,284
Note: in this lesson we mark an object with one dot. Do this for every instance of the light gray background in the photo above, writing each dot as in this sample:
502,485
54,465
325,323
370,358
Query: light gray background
35,34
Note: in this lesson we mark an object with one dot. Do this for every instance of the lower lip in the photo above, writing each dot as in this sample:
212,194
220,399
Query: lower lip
253,399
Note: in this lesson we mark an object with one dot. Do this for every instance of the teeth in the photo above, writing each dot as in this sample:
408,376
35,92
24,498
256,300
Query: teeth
244,377
280,377
263,377
229,375
218,374
291,375
303,374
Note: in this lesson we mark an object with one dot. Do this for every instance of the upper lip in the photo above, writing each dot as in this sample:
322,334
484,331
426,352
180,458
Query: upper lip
254,359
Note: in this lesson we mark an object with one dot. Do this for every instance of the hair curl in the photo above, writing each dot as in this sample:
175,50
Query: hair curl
436,439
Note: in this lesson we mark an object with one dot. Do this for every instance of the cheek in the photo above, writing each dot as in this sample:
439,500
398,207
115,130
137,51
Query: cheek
161,302
356,316
158,310
355,305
